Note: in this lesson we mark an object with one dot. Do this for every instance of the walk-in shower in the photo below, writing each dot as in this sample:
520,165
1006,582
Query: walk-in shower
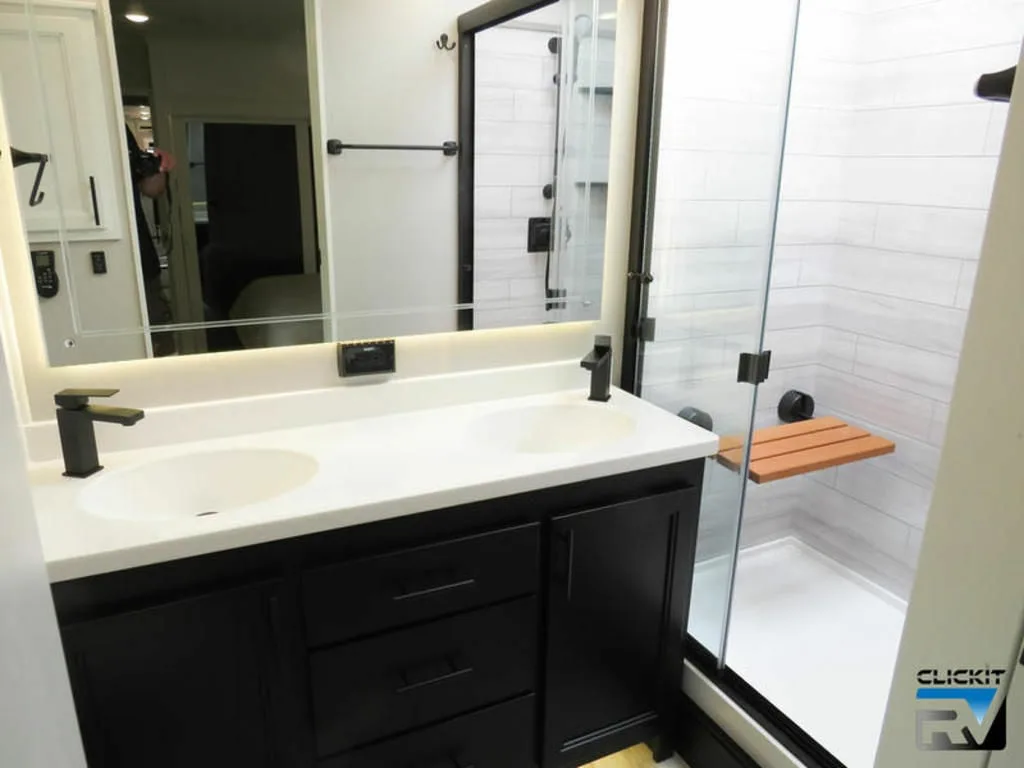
824,171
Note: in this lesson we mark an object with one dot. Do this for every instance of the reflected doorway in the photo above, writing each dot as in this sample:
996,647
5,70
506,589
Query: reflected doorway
249,249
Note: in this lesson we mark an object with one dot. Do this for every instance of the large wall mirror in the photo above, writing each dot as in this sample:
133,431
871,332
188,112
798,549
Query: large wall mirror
212,175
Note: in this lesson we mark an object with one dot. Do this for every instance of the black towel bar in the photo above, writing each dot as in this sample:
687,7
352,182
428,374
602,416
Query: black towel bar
448,148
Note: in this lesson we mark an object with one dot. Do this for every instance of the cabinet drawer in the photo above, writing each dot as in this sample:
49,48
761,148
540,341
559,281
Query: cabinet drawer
373,688
496,737
357,598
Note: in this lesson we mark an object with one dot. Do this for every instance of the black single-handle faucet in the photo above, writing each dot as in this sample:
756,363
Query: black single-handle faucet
75,419
599,362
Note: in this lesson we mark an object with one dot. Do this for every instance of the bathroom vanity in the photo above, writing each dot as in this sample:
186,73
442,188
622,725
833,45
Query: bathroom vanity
538,622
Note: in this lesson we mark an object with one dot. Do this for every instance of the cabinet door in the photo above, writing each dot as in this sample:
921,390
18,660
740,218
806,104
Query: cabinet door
609,585
67,116
189,684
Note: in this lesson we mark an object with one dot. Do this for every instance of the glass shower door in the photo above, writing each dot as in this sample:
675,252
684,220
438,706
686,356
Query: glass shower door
719,142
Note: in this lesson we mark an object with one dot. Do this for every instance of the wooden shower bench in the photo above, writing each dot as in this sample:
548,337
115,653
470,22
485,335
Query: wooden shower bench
804,446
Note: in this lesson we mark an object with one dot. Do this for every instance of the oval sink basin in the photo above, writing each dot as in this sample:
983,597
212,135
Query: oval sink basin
197,485
557,428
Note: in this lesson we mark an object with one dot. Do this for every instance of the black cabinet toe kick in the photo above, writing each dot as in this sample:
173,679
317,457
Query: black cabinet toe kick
544,629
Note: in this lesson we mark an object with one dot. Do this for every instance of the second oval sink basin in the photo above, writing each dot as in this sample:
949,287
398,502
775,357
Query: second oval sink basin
566,428
197,485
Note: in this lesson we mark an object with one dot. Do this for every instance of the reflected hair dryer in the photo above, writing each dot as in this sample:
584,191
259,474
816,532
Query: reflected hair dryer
20,157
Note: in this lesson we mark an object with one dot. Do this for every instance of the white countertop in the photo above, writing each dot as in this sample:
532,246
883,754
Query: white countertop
369,469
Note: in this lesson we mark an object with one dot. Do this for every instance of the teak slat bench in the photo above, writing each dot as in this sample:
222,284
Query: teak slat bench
804,446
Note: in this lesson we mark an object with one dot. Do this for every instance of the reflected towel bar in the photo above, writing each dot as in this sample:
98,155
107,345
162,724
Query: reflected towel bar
449,148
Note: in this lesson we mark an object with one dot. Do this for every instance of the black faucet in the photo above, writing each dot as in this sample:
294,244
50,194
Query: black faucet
75,418
599,362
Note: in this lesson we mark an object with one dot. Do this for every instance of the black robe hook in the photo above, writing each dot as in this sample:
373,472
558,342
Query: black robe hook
442,43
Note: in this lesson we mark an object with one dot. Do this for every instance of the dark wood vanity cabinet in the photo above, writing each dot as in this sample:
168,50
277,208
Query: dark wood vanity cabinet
193,682
609,624
543,629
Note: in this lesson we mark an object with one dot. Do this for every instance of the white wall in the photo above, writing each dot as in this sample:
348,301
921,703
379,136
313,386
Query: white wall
38,726
968,599
394,215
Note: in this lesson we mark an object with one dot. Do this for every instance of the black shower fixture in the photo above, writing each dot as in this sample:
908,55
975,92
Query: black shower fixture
997,86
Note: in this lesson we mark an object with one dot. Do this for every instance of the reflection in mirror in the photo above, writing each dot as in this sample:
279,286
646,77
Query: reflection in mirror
221,178
181,192
180,188
240,176
533,230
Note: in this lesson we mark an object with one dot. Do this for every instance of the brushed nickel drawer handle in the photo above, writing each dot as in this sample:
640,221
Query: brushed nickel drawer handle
451,675
433,590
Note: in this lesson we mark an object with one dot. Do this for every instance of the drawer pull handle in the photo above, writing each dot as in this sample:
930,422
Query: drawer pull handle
433,590
450,675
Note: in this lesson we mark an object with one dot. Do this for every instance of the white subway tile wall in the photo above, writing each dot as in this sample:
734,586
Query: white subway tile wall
516,115
888,170
911,163
515,138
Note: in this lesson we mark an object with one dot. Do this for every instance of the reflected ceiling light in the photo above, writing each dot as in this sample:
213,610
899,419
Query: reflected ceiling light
608,16
136,14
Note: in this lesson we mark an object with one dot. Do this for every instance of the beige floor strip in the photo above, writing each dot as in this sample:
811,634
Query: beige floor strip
634,757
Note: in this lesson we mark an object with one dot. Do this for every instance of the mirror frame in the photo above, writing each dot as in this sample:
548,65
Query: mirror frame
470,23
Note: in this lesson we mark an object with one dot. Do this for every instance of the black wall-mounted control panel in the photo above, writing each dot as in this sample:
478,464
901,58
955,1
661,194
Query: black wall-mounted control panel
99,262
538,235
366,358
44,266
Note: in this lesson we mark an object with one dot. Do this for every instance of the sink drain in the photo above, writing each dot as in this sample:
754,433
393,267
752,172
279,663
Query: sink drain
208,514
